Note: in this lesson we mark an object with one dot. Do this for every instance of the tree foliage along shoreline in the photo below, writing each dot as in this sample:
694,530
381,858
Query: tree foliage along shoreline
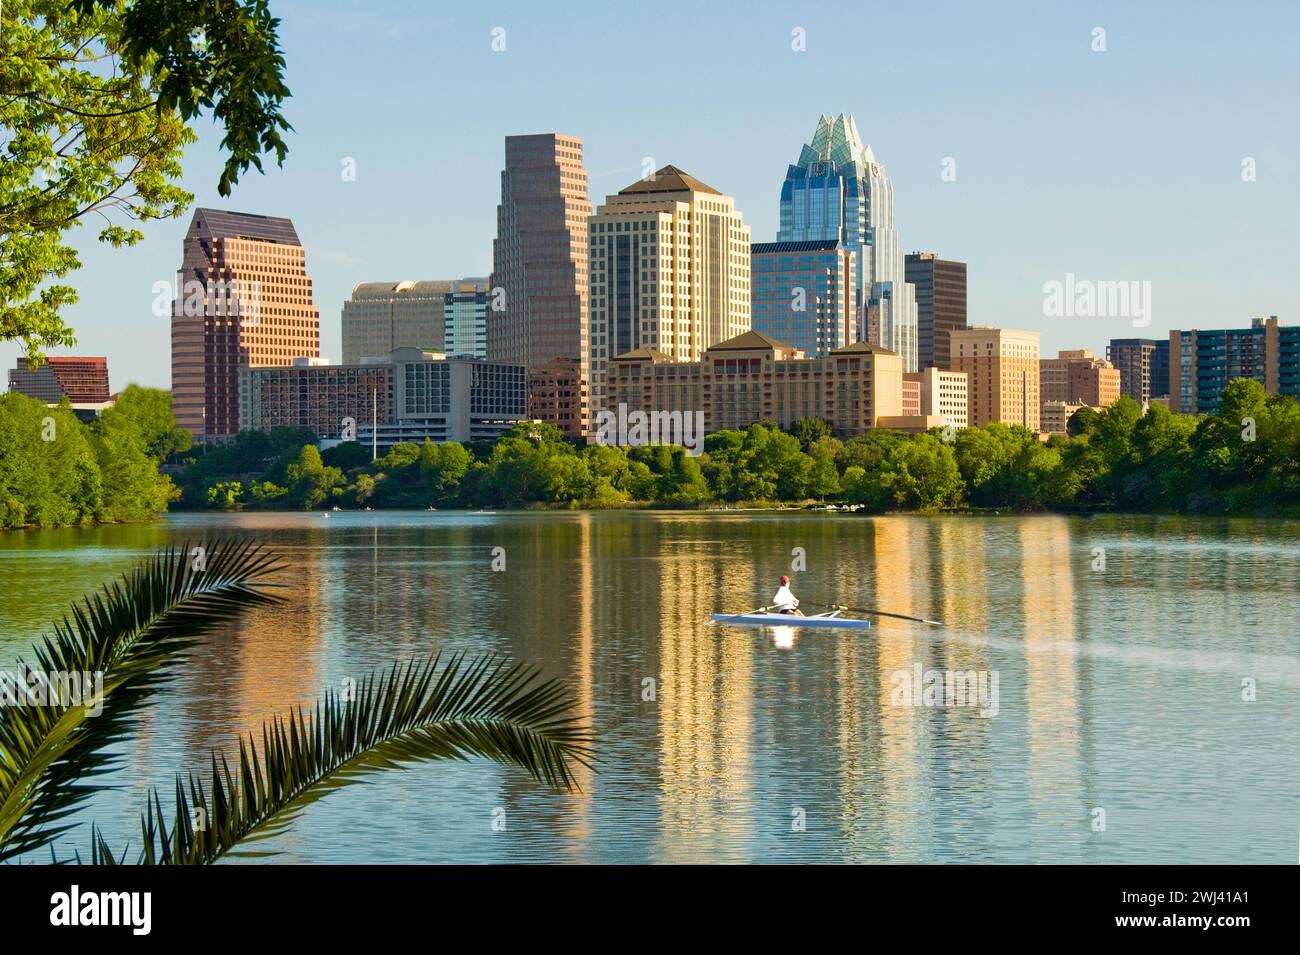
95,96
1243,460
57,470
1119,459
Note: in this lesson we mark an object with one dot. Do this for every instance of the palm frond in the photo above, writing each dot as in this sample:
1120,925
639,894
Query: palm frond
128,633
411,714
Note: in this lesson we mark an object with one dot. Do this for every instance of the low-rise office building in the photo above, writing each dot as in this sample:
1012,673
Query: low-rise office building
409,396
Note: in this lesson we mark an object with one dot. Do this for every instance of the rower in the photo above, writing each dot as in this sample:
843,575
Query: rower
785,601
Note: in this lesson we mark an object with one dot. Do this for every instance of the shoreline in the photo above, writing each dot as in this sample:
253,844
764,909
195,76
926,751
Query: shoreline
651,508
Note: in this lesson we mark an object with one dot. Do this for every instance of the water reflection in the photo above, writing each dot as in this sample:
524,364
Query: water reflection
1118,687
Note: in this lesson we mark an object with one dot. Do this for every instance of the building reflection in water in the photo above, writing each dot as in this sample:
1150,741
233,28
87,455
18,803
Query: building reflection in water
1051,693
705,707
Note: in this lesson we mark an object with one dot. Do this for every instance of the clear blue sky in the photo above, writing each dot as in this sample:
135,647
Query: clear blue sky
1117,165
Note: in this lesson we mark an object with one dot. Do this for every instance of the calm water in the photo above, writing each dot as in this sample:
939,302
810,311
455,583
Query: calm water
1118,689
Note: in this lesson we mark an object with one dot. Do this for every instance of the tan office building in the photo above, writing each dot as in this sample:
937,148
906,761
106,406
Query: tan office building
1078,377
557,394
1001,367
244,299
382,316
670,261
537,306
752,378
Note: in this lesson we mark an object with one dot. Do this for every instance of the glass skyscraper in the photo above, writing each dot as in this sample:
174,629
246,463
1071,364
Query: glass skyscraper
803,294
838,192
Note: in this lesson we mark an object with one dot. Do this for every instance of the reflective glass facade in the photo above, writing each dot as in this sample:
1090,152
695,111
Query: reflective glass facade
838,192
805,294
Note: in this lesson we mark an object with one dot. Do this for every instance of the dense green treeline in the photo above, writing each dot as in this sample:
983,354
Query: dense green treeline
1245,459
55,469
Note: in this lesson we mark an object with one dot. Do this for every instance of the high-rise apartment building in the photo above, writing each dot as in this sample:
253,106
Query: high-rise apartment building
244,299
1202,363
669,271
539,259
1001,366
752,378
940,305
1143,365
80,379
805,294
837,191
382,316
1076,376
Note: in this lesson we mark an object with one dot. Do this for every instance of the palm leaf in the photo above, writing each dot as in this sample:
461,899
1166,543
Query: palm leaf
410,714
129,633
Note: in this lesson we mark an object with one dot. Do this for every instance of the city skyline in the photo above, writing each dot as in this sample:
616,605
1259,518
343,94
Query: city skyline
1049,181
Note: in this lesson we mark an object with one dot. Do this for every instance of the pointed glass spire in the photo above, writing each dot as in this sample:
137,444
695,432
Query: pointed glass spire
836,140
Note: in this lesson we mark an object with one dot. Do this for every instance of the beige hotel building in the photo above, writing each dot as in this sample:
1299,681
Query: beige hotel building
751,377
669,267
1001,366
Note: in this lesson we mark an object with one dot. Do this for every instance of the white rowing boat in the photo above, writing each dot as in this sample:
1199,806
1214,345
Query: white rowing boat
830,620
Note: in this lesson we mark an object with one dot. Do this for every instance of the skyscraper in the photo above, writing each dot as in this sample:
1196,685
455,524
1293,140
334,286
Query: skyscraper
538,300
837,191
244,298
940,305
381,316
1143,365
669,271
804,294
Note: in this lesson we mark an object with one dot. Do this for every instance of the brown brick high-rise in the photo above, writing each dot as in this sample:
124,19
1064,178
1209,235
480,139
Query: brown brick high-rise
537,307
940,306
244,299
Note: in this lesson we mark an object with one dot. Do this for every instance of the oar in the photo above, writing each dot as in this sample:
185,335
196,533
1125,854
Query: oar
734,616
882,613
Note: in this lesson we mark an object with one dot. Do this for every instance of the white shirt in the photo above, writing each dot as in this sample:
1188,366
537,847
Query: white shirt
784,600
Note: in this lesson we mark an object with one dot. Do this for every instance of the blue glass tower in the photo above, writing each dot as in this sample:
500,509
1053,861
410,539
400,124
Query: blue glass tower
838,192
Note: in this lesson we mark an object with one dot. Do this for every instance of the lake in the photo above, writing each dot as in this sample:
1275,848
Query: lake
1145,668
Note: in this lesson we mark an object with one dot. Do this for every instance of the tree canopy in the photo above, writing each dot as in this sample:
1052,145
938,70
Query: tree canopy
95,97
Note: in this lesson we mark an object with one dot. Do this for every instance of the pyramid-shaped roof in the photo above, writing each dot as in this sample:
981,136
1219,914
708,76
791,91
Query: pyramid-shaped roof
653,355
668,179
748,341
836,140
863,348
